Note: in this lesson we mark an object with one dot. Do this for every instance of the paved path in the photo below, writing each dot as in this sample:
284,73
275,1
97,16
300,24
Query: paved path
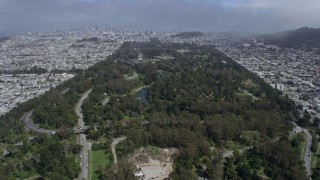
113,148
84,154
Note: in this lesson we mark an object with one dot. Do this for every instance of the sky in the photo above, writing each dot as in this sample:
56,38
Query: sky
243,16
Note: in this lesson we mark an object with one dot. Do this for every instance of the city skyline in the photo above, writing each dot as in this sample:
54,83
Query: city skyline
242,16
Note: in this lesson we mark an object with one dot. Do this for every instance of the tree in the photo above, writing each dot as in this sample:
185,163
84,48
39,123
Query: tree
305,120
122,171
316,122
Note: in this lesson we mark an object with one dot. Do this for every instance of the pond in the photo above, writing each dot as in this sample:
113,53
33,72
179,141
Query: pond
142,95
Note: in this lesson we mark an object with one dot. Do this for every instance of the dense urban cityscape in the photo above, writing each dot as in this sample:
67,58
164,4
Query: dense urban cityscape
18,88
54,52
295,72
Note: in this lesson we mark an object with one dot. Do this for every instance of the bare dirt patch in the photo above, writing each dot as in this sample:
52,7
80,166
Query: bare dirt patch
155,163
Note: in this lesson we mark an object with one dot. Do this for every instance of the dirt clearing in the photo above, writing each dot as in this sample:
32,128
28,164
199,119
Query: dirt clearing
154,163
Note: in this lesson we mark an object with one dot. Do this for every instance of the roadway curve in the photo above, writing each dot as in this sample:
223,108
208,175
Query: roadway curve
26,118
84,159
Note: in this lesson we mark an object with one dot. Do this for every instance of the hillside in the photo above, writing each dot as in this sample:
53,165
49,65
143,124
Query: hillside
294,38
2,39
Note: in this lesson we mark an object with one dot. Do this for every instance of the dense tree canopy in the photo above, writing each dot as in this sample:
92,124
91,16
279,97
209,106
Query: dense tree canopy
197,102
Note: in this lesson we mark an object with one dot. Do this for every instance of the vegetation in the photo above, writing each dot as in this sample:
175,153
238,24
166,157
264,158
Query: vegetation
99,160
199,105
205,102
284,163
33,70
47,156
299,144
308,37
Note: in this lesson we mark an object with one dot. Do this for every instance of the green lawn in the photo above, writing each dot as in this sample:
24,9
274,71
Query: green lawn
77,159
155,151
98,158
302,147
233,146
25,174
126,117
315,158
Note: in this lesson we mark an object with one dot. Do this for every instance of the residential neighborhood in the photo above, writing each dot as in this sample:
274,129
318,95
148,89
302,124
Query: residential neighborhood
54,52
19,88
295,72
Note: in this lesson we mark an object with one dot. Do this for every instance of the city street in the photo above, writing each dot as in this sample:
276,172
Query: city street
84,157
307,155
84,154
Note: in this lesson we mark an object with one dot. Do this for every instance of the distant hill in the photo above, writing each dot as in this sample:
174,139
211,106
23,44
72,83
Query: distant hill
188,34
2,39
302,36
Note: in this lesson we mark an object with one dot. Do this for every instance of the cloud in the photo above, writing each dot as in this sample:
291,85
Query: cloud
205,15
291,12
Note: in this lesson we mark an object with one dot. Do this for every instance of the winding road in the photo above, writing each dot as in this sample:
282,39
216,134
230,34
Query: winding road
84,159
26,118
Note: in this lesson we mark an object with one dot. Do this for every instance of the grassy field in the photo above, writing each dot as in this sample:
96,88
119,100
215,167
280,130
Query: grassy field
155,151
98,158
302,147
315,158
77,159
233,146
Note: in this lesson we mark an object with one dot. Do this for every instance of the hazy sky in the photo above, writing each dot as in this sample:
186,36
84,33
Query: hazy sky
256,16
